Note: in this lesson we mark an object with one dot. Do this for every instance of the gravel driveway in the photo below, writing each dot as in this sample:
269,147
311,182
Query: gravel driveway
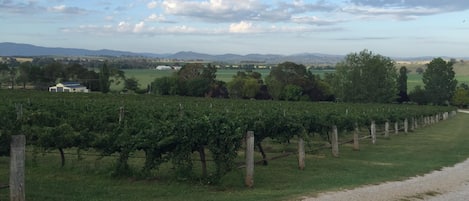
448,184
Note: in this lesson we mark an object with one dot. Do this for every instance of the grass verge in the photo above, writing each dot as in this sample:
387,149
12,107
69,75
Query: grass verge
397,158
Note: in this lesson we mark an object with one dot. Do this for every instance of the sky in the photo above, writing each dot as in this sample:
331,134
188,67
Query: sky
394,28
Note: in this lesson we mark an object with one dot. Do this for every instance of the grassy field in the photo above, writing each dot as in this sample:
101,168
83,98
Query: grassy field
397,158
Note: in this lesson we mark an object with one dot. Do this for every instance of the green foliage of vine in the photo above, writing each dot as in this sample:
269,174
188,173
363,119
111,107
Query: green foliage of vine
172,129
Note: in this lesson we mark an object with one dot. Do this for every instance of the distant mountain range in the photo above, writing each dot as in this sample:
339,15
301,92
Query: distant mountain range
27,50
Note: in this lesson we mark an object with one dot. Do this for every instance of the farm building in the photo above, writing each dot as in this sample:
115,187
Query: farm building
68,87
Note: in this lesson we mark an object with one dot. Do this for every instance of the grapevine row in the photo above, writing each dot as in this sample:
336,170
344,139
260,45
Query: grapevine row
172,128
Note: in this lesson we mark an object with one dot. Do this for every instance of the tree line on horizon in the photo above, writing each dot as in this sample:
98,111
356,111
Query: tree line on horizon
362,77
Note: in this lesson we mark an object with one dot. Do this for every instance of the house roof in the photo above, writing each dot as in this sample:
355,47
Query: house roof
75,87
69,84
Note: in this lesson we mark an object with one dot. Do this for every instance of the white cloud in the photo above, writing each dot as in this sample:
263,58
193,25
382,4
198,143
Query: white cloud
123,26
181,29
405,9
396,12
60,8
242,27
109,18
215,10
67,10
156,18
314,20
139,27
152,5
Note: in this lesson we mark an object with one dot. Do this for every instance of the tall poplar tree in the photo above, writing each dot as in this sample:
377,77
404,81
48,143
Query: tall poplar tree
402,85
104,81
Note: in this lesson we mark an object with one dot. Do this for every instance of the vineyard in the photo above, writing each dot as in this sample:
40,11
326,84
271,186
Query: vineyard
171,129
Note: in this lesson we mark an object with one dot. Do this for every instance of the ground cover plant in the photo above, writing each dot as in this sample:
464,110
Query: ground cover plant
91,174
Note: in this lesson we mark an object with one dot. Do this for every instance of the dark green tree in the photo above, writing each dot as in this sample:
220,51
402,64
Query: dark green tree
439,80
4,72
289,73
418,95
25,73
195,79
402,85
131,84
52,72
365,77
104,78
245,85
165,86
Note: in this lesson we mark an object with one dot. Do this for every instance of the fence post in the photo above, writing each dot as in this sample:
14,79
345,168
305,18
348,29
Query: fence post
17,157
121,114
406,125
335,141
396,127
301,153
356,143
412,124
386,129
373,132
249,180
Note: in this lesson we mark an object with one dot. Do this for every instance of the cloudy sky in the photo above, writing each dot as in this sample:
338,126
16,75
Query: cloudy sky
388,27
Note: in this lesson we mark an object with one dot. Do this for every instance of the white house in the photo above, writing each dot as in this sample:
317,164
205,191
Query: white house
164,68
68,87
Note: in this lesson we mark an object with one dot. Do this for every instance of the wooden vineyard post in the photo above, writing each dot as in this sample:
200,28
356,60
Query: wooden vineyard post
396,127
373,132
406,125
121,114
249,179
416,122
386,129
356,143
335,141
301,153
17,157
412,124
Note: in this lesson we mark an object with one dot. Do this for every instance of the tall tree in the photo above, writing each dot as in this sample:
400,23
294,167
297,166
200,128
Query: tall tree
131,84
289,73
25,73
245,85
439,80
402,85
365,77
104,75
195,79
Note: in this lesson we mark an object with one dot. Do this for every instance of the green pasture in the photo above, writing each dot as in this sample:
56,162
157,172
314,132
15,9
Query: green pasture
397,158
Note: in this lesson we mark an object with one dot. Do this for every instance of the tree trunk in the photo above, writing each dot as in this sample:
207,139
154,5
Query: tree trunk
203,161
62,157
264,156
